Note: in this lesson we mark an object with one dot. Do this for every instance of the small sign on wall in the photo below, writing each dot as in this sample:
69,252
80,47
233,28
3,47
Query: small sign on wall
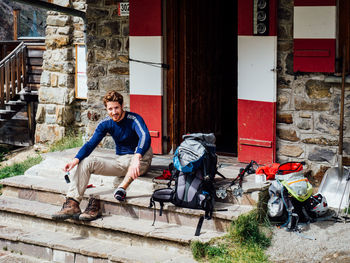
123,9
80,72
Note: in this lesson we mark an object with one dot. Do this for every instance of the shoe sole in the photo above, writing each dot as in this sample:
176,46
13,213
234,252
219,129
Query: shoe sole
119,198
65,217
86,219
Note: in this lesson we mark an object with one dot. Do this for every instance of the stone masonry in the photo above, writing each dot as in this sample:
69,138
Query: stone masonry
107,68
57,105
107,60
308,107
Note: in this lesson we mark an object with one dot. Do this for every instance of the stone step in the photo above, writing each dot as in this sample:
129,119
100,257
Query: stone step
54,244
53,163
15,105
52,191
37,214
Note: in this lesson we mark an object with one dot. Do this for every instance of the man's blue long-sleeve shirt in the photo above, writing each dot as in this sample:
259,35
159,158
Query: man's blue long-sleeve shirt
130,135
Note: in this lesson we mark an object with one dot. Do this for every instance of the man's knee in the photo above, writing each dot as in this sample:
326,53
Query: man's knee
87,164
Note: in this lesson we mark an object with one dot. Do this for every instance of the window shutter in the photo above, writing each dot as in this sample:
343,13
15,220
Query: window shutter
314,35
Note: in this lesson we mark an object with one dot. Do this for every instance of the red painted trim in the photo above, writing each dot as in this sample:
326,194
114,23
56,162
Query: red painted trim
252,142
311,53
315,2
314,55
154,134
145,17
150,108
245,17
256,131
273,18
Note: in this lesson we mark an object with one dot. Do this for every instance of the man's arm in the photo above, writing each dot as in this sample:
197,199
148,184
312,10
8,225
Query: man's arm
143,145
69,166
134,168
88,147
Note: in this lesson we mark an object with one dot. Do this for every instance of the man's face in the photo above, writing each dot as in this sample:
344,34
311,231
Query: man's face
115,110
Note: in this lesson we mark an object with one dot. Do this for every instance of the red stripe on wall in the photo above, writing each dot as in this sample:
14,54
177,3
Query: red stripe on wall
145,17
256,131
273,18
314,2
314,55
245,18
150,108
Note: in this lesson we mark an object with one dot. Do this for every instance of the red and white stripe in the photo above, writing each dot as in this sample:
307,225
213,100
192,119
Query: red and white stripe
256,87
314,35
146,81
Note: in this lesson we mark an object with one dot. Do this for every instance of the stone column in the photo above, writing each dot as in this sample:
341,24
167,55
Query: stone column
57,90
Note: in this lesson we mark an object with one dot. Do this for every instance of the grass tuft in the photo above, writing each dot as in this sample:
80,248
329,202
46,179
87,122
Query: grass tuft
19,168
70,140
247,230
245,242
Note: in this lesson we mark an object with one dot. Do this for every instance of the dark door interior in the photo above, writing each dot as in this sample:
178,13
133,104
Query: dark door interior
202,80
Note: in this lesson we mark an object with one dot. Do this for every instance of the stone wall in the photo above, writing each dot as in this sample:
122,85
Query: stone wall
107,42
307,107
58,108
107,58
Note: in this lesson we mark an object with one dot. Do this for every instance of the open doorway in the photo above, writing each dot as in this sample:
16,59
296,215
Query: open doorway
202,79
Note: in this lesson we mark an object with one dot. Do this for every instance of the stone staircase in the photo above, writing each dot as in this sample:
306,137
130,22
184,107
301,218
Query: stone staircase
125,233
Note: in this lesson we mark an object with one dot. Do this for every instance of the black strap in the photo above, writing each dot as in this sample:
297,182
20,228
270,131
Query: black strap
153,204
199,226
161,208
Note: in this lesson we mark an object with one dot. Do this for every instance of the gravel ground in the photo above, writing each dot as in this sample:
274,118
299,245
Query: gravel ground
323,241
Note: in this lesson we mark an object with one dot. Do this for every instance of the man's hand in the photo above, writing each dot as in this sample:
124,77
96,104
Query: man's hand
69,166
134,168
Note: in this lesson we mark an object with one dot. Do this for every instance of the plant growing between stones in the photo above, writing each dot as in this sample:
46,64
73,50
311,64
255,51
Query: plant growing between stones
71,140
245,242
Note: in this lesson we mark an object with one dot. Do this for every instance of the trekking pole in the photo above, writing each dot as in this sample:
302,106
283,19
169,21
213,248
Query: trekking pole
341,125
347,208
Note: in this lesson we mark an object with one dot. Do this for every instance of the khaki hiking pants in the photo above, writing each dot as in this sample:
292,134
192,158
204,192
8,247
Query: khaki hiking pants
118,166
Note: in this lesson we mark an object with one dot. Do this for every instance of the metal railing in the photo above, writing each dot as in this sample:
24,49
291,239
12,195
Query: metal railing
13,73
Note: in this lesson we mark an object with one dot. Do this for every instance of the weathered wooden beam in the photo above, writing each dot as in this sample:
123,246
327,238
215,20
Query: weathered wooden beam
53,7
2,87
15,23
7,80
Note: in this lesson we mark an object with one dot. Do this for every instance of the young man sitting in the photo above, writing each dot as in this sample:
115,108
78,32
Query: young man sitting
133,158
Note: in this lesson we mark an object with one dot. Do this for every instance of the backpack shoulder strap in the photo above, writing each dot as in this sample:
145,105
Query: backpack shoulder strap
174,173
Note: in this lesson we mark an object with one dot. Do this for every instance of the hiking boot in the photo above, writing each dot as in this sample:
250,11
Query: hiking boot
120,194
70,209
92,211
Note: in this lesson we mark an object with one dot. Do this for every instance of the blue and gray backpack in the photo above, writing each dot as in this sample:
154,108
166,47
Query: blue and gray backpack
193,169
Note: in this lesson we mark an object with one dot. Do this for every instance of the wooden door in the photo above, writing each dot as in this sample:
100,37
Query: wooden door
202,79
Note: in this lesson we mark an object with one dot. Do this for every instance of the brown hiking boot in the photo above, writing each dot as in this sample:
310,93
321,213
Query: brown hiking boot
70,209
92,211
